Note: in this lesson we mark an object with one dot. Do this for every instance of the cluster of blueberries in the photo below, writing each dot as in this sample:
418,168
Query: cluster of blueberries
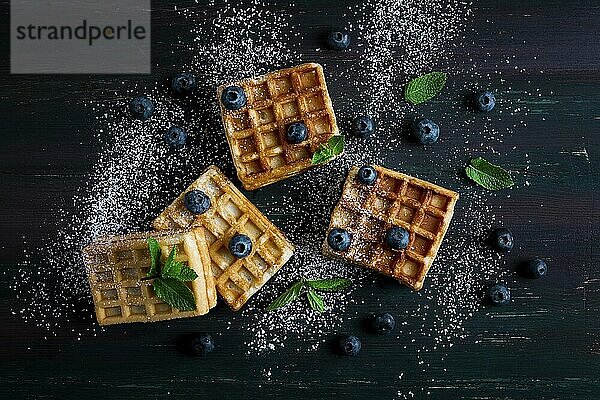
200,344
425,131
142,108
197,202
499,294
233,98
397,238
350,345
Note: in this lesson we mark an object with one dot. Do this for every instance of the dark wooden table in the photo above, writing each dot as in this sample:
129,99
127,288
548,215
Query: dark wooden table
545,345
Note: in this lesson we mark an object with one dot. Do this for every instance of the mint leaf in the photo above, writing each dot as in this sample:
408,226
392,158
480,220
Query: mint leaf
329,285
171,267
175,293
424,87
333,147
177,270
336,144
288,296
488,175
315,301
154,248
186,274
322,155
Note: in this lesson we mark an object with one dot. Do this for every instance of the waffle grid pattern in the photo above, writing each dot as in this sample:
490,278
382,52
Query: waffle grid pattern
257,132
231,213
117,267
423,209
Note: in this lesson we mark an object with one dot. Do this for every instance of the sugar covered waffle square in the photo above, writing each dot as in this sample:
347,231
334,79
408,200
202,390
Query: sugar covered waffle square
268,105
117,267
368,211
228,213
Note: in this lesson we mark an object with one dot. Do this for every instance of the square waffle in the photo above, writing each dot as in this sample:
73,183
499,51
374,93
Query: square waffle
117,264
395,199
256,133
231,213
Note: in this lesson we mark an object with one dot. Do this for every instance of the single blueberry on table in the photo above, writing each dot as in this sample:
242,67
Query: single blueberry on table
240,246
338,39
184,83
363,126
201,344
339,239
426,131
498,294
196,201
502,239
485,101
383,323
366,175
297,133
233,98
141,108
175,137
536,268
397,238
349,345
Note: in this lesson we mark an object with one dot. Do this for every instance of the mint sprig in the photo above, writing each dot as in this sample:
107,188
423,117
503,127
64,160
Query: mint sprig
424,87
169,278
327,151
310,288
488,175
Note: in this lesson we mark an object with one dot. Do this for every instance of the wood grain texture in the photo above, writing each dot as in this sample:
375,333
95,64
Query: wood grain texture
545,346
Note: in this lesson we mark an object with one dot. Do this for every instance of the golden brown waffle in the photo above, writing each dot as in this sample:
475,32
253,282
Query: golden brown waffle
117,264
395,199
256,133
231,213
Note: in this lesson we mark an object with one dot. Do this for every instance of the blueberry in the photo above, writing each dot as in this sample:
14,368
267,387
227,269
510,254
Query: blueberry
535,268
297,133
383,323
339,239
196,201
141,108
502,239
363,126
397,238
201,344
240,246
426,131
233,98
349,345
366,175
184,83
175,137
485,101
498,294
338,40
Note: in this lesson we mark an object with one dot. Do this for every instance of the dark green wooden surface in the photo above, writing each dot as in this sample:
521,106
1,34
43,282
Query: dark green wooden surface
45,155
